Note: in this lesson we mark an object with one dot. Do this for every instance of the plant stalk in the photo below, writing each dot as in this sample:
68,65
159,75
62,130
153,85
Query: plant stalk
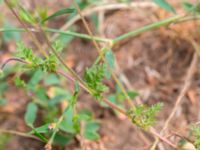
70,33
148,28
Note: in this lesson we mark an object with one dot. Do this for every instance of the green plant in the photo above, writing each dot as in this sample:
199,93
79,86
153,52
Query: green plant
60,127
144,116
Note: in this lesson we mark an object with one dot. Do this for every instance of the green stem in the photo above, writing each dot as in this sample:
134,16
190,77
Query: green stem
70,33
147,28
84,36
55,130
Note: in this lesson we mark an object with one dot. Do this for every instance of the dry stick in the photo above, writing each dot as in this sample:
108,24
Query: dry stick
186,85
26,28
102,55
105,7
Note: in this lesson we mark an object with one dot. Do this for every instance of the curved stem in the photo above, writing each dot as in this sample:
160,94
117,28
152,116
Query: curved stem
12,59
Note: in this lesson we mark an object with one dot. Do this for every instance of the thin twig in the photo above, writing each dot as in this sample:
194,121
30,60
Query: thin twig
183,91
164,139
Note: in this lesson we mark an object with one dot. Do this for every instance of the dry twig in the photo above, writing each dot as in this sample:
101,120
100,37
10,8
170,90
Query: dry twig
184,89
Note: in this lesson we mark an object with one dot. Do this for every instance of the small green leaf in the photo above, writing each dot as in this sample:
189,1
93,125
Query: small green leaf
58,13
63,139
41,12
192,7
90,131
55,100
95,20
26,16
110,59
77,87
19,82
132,94
40,136
51,79
41,129
58,46
165,5
65,39
92,126
75,95
85,114
40,93
187,6
91,135
67,124
36,78
31,113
